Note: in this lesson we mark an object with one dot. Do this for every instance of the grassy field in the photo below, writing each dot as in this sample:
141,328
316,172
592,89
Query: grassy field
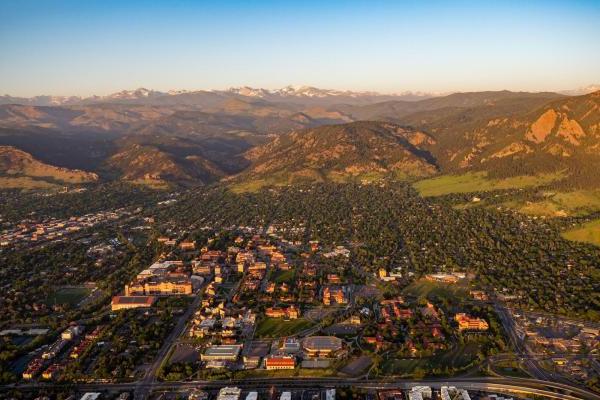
476,182
576,203
403,366
587,233
283,276
510,367
25,182
458,357
424,288
71,296
277,327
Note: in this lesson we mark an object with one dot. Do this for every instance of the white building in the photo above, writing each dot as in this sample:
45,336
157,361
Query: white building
229,393
452,393
424,391
286,396
90,396
252,396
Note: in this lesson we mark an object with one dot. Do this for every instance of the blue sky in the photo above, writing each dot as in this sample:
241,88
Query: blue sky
88,47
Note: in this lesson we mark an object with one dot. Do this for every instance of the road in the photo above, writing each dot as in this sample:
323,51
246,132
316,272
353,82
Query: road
512,386
144,386
520,347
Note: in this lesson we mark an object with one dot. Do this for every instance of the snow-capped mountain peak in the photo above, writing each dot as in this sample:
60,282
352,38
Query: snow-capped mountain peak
582,90
133,94
249,91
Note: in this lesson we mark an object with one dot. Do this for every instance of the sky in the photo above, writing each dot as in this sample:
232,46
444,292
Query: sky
85,47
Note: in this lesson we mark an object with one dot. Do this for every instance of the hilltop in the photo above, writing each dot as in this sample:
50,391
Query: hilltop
18,168
337,152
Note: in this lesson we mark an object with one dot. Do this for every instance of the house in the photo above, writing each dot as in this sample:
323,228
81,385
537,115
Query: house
187,246
479,295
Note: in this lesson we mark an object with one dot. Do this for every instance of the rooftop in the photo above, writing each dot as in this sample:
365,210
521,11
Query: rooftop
321,343
147,300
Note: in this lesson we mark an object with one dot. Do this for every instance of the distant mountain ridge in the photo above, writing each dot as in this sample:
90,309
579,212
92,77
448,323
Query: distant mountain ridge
251,136
290,93
202,97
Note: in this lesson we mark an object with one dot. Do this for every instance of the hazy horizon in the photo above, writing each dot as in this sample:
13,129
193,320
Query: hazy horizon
383,93
66,48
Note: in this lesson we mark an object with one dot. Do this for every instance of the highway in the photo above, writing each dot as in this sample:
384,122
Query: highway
520,348
509,386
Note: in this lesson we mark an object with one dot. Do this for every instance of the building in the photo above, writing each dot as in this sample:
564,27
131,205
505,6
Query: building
452,393
290,345
90,396
479,295
286,396
54,349
330,394
127,302
252,396
321,346
186,246
466,322
71,332
443,278
229,393
420,393
160,285
228,352
52,371
334,295
280,363
290,312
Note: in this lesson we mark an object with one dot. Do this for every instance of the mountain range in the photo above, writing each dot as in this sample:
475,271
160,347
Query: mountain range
299,134
206,97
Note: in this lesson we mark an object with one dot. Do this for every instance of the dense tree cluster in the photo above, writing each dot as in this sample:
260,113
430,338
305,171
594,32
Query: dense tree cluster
389,225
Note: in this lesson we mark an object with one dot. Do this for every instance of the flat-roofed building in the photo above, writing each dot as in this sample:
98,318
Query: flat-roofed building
90,396
191,245
169,285
71,332
280,363
452,393
127,302
321,346
160,285
229,393
420,393
229,352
